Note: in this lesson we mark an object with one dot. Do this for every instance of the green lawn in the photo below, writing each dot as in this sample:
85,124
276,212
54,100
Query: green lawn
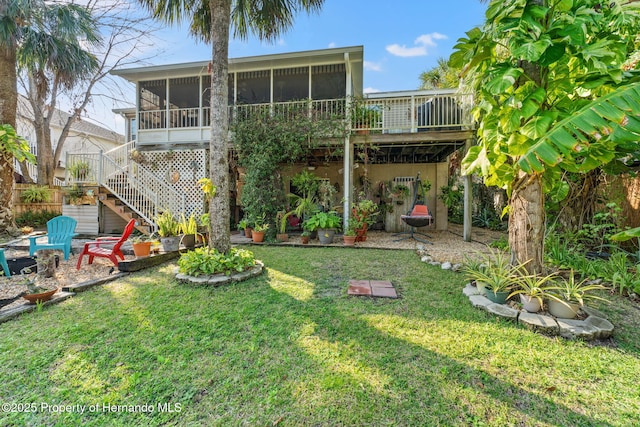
290,348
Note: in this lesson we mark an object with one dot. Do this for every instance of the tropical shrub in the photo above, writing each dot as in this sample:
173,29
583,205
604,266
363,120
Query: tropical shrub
207,261
36,194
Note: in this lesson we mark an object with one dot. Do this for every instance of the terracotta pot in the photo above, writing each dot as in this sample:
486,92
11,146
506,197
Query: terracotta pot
257,236
361,234
248,232
41,297
284,237
141,249
349,240
305,240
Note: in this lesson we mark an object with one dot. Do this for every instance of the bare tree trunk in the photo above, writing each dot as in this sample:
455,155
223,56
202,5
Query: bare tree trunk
527,223
8,105
219,210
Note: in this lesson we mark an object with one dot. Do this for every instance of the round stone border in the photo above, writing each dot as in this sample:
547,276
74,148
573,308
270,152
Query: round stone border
222,279
595,326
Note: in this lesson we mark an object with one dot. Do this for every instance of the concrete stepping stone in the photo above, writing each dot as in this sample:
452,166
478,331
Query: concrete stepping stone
374,288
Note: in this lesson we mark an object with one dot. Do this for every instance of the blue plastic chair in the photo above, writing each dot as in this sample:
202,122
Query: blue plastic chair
60,232
3,263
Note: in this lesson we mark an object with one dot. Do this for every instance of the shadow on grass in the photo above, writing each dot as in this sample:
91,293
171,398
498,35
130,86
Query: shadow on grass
250,352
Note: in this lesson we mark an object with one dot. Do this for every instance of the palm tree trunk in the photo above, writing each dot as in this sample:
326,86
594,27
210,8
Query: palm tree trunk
219,210
527,223
8,105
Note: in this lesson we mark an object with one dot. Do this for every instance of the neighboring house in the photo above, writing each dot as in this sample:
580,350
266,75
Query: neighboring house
414,131
83,137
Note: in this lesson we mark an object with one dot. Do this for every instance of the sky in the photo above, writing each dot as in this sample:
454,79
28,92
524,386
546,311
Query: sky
401,38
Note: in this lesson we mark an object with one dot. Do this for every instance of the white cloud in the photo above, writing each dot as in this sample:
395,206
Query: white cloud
370,90
372,66
332,45
420,48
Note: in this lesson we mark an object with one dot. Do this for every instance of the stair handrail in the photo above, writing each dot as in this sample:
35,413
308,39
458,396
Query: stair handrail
121,160
132,192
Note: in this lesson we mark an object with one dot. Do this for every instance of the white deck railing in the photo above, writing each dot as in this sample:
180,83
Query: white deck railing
392,114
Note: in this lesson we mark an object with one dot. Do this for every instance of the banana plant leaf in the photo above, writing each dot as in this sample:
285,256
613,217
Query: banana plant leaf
613,119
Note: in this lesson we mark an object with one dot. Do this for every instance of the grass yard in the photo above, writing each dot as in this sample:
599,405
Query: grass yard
290,348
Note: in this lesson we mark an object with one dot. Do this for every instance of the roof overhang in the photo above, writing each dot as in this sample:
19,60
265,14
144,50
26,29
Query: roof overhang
252,63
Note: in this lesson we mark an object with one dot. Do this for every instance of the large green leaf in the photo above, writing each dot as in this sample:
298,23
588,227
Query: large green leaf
614,116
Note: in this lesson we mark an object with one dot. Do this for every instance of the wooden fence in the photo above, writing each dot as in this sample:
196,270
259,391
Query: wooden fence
19,207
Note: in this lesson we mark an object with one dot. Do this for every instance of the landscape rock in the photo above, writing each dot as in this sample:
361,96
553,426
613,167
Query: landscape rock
604,328
435,263
470,290
502,310
573,328
538,322
446,266
456,267
480,301
426,259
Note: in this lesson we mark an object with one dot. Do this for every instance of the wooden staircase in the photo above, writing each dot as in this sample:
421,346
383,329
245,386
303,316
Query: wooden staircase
123,211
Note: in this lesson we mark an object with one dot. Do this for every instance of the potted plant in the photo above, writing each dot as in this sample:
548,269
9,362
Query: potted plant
141,245
493,273
364,117
474,269
364,214
399,193
168,230
325,223
349,236
567,296
36,294
257,234
189,230
79,170
532,289
282,219
304,237
243,226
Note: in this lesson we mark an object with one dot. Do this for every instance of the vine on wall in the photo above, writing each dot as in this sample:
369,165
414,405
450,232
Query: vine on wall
265,140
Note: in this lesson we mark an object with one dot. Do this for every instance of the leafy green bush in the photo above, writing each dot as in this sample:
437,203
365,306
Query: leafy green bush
35,219
207,261
36,194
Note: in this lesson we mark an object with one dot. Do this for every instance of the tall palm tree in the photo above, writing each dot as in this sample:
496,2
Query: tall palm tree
39,37
11,14
211,20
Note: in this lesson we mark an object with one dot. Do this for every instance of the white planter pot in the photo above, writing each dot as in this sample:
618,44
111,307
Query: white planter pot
532,305
563,310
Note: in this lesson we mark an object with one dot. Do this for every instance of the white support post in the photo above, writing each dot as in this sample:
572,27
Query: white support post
468,202
347,180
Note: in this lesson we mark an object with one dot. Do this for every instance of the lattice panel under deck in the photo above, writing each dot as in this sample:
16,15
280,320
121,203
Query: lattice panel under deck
185,168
